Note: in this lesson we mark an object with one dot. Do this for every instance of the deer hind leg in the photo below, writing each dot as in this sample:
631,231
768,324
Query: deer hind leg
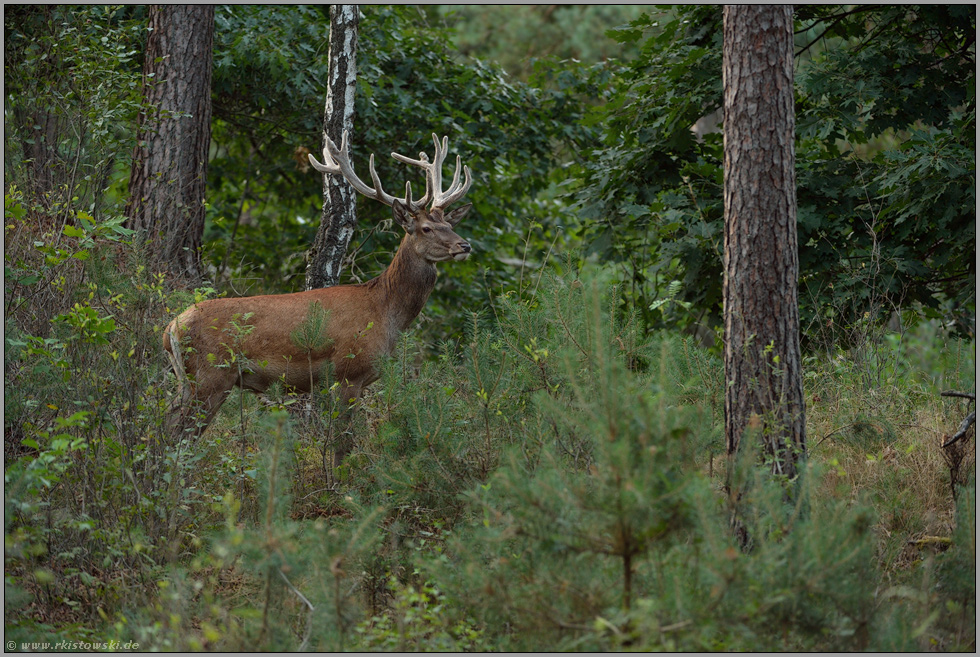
196,404
198,398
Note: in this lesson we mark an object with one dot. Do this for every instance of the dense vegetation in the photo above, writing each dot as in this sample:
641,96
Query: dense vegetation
541,465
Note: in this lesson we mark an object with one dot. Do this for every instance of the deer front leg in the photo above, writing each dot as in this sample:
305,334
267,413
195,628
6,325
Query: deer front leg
343,440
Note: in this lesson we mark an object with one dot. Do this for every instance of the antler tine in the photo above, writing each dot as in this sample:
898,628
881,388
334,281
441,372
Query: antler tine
454,195
408,196
329,165
387,199
433,180
338,162
443,199
437,161
422,163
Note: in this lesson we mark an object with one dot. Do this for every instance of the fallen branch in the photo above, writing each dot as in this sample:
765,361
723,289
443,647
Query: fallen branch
964,426
931,540
846,426
968,422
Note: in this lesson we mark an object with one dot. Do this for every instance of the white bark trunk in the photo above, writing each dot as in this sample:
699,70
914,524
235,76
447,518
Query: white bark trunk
339,216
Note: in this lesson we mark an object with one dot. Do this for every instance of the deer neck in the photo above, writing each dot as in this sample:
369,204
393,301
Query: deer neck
406,284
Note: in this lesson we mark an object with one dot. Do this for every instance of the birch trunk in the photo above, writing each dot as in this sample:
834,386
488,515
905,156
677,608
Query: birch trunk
338,218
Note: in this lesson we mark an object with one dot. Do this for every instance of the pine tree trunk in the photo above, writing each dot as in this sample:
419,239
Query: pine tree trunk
169,172
762,344
338,218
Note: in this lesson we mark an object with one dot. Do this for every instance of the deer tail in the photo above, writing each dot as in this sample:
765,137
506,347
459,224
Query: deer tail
171,345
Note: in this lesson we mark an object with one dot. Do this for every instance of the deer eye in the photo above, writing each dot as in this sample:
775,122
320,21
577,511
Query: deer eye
426,229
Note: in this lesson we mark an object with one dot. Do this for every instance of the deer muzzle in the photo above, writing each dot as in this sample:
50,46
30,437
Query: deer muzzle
463,252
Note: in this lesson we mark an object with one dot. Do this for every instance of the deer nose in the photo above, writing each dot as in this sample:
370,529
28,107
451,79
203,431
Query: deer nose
465,246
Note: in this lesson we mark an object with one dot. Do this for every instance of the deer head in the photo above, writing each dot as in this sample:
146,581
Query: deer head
432,228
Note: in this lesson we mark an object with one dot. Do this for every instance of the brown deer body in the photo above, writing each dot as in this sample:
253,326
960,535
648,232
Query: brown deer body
218,344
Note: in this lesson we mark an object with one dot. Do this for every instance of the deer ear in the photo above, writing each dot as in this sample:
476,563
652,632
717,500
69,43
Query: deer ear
456,215
403,216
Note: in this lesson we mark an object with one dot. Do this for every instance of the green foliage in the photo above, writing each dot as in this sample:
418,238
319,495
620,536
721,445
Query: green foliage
885,160
514,37
958,566
547,478
598,528
651,195
856,92
303,593
904,75
270,71
72,87
311,334
72,95
417,622
84,410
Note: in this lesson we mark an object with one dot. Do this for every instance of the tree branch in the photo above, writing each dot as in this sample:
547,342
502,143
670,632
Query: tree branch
309,619
964,426
837,19
966,423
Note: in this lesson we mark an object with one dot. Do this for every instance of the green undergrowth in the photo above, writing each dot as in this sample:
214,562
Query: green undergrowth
551,479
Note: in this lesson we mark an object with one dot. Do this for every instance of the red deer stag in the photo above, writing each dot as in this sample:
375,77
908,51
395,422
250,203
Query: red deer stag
218,344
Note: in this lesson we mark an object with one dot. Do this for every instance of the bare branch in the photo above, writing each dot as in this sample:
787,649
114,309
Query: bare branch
309,619
964,426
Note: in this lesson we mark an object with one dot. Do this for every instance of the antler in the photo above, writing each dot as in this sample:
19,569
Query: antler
433,179
337,161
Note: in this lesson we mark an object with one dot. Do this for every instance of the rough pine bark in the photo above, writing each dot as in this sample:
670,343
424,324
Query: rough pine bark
169,172
338,218
762,344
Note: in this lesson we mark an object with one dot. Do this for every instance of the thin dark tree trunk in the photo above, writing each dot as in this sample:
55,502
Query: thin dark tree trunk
338,219
169,174
41,150
40,127
764,387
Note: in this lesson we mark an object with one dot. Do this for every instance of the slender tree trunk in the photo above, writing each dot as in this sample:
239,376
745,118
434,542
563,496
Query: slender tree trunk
41,150
762,345
338,218
169,173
